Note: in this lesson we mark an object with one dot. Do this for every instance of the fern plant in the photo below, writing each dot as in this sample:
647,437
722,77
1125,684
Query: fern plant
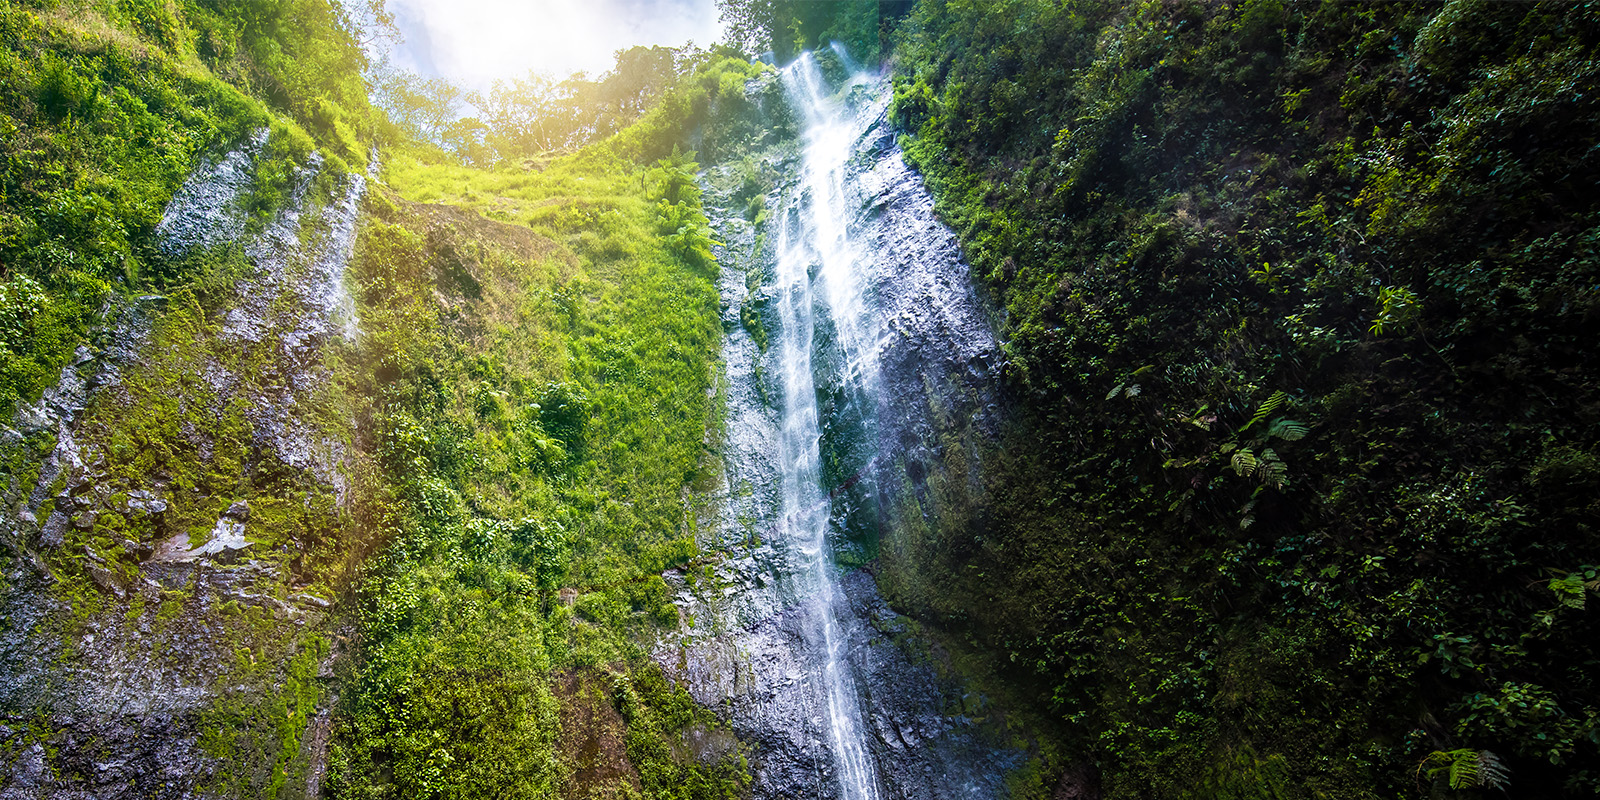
1253,458
1572,588
1128,388
1466,769
1271,404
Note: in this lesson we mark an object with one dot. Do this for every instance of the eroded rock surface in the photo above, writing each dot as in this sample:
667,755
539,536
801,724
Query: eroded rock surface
146,659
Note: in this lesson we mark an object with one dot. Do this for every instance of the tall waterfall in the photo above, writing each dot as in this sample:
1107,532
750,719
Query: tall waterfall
815,256
860,384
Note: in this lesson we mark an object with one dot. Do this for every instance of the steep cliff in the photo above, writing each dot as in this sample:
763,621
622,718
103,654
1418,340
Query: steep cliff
1300,312
177,479
1254,455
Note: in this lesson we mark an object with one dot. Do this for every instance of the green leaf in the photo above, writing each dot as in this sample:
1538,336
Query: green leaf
1287,430
1245,462
1272,404
1569,590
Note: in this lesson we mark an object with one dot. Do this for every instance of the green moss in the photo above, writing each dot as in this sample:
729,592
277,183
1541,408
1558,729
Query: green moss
267,699
106,110
1117,172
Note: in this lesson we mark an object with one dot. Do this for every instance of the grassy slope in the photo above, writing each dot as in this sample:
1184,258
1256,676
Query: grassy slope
1384,212
541,390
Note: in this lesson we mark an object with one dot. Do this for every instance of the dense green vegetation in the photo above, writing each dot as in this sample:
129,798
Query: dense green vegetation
534,118
105,107
785,28
540,395
518,430
1301,309
1298,500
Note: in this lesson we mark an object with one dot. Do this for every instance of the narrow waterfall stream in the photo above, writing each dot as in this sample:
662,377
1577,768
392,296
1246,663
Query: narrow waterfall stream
859,376
813,248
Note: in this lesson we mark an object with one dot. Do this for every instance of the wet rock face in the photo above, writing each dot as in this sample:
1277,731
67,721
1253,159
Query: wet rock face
118,661
209,208
923,732
762,676
750,647
162,761
940,365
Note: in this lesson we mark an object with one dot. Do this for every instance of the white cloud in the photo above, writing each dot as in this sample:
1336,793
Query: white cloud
473,42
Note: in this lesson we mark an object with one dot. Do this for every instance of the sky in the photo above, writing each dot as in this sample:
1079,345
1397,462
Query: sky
474,42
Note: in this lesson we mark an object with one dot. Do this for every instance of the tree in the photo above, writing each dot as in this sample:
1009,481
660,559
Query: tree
749,24
422,108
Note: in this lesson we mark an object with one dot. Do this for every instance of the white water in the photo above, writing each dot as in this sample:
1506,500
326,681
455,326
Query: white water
818,267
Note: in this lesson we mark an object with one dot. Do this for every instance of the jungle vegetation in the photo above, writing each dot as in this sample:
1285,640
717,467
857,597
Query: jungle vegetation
525,405
533,118
540,407
782,29
1300,308
105,107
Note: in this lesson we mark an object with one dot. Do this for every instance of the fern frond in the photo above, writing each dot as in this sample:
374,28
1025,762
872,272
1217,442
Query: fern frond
1132,390
1593,575
1464,772
1245,462
1115,390
1569,590
1274,472
1492,772
1287,430
1467,769
1272,404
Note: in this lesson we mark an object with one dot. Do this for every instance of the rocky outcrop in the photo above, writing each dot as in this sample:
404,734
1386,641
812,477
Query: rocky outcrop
146,649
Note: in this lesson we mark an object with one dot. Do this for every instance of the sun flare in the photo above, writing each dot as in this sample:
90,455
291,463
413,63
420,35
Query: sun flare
474,42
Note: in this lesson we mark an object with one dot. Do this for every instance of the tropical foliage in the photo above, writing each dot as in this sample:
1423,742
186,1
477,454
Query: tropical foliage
784,28
533,118
523,415
1342,518
105,107
1298,493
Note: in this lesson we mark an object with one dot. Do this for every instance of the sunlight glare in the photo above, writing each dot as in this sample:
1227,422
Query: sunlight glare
474,42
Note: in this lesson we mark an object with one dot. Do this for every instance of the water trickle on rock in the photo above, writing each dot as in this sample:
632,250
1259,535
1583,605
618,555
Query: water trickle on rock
288,311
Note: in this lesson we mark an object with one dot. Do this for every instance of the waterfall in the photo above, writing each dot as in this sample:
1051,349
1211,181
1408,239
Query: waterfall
815,256
860,384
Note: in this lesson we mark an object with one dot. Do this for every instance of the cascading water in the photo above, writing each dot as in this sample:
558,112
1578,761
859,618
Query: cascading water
859,371
814,248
